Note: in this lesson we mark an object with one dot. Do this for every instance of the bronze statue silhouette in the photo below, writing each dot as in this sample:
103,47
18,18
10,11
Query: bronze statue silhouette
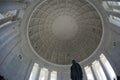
76,71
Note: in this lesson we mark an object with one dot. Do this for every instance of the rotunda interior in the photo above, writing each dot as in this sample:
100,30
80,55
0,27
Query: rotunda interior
60,32
40,38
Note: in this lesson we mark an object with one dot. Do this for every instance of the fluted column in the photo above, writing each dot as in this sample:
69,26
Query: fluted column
49,74
84,75
107,75
115,14
38,73
95,78
59,77
4,20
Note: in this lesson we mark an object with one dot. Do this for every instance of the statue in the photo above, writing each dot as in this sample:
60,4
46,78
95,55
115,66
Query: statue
76,71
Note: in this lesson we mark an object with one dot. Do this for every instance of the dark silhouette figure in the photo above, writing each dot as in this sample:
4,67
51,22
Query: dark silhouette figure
76,71
118,77
1,78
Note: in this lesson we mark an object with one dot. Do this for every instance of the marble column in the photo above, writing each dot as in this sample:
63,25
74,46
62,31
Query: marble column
59,76
4,20
38,73
49,74
115,14
105,71
95,78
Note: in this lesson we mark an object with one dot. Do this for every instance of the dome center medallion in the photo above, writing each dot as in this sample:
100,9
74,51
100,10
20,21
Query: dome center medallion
64,27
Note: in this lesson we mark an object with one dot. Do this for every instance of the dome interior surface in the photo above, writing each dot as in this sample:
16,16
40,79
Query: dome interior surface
62,30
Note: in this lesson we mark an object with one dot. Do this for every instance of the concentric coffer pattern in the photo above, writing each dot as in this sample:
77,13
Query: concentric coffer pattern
62,30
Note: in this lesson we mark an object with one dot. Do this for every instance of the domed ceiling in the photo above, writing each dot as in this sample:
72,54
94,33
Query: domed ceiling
62,30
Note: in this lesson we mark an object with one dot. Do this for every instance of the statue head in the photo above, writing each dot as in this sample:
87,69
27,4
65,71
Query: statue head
73,61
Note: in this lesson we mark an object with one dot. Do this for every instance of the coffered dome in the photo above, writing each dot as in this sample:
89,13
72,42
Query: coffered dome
62,30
